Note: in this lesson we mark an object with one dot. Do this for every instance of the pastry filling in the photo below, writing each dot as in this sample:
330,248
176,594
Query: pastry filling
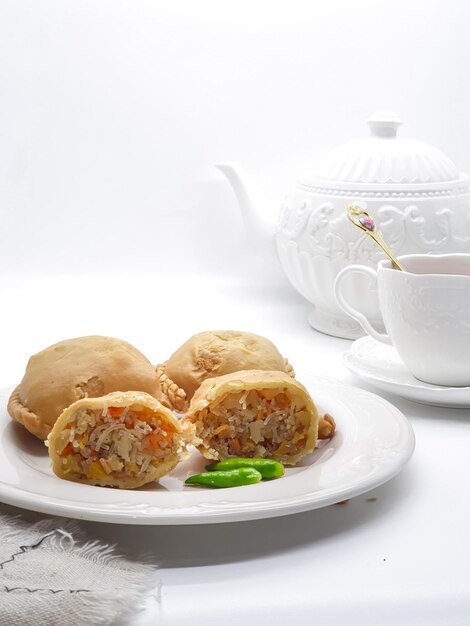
116,442
254,423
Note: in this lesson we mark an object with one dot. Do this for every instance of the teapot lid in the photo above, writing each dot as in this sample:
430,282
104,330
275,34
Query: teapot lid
384,159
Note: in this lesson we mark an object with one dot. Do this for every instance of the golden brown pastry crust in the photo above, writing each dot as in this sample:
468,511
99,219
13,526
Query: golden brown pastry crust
77,368
120,399
213,390
175,397
216,353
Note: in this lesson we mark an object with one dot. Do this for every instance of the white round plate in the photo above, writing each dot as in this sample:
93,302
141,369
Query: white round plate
372,443
380,366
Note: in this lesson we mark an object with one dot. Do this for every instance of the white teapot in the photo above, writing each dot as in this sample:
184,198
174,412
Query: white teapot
419,199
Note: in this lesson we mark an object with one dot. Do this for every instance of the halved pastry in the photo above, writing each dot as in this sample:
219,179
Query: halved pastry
254,414
119,440
215,353
84,367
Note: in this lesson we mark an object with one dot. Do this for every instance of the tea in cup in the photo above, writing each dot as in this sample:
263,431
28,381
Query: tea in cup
426,313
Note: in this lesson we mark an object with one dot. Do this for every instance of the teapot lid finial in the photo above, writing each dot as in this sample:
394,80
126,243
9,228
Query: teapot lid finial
383,123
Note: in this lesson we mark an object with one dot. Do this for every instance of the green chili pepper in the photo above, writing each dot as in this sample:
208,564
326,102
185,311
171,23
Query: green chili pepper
232,478
268,468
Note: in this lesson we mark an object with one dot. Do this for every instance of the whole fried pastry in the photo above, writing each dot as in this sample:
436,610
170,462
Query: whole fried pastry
215,353
78,368
254,414
123,439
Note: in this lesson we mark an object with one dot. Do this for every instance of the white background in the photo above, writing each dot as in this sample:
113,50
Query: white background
112,113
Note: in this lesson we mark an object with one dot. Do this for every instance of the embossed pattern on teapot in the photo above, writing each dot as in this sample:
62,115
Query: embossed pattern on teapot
419,199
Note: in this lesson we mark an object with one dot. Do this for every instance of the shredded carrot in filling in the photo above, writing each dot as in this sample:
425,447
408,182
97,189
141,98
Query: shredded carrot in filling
261,423
116,411
154,440
225,428
236,445
116,442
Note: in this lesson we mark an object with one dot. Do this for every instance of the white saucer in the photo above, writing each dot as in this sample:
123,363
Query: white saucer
380,366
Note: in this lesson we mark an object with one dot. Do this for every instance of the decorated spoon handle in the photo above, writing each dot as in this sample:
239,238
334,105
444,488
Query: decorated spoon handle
380,242
365,222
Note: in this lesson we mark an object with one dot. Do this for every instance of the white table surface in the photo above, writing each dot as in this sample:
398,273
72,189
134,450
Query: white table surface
401,559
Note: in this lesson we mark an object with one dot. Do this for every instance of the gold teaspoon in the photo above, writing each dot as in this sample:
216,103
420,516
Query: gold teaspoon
365,222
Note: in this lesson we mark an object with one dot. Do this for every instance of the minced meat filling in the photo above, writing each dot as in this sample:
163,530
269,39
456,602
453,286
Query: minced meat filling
117,441
254,423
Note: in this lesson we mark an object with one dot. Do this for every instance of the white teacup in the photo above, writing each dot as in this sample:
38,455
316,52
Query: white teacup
426,312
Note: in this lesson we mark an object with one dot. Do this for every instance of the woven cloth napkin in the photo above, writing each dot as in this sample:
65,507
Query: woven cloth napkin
51,575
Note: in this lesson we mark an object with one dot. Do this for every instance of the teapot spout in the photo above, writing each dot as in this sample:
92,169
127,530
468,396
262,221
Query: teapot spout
260,228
